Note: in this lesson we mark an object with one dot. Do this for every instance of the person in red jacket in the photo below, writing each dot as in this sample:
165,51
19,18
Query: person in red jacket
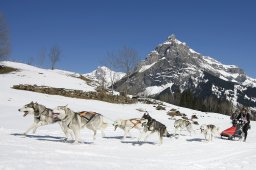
244,116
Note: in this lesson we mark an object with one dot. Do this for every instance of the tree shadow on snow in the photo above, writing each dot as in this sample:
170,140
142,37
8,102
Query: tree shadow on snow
195,140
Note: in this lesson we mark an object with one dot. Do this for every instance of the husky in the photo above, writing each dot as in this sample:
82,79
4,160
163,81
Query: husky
152,126
209,131
93,121
72,122
42,116
129,124
181,124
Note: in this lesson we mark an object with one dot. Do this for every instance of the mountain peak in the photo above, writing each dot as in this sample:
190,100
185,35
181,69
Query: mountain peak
173,40
175,65
172,37
102,69
104,73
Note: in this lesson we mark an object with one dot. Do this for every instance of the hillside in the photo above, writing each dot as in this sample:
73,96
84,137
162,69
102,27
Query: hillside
27,74
46,150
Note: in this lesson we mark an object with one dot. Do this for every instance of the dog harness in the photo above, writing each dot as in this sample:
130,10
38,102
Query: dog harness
136,123
38,116
89,119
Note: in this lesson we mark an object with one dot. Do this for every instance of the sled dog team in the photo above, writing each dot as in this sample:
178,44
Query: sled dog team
72,122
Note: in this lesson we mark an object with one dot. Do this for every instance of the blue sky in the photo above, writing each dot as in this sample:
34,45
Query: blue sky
85,30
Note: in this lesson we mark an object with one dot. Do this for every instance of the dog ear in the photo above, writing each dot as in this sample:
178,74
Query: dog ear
36,107
66,108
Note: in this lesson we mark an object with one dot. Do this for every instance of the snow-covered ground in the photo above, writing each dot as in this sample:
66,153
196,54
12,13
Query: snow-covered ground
27,74
45,149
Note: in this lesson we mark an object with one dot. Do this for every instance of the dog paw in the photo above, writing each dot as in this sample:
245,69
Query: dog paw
65,140
75,143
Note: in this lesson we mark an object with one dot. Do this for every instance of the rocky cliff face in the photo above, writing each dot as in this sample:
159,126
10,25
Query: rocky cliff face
174,65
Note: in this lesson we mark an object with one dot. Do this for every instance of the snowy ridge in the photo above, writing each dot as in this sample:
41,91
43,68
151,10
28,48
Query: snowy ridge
103,73
228,72
144,68
152,90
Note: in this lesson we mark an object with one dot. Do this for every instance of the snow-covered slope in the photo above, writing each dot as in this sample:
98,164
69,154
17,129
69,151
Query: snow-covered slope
103,73
27,74
45,149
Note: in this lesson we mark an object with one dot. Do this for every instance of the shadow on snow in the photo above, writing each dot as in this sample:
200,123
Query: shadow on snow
48,138
138,142
195,140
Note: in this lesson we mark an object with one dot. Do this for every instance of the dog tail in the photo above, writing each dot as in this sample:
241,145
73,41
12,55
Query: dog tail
104,124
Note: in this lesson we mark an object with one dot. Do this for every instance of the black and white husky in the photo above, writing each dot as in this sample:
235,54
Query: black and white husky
42,115
152,126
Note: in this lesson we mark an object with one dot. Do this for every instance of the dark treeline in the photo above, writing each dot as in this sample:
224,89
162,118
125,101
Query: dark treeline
188,99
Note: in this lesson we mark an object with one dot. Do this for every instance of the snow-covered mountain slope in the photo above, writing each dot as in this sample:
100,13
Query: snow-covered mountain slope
104,75
173,64
27,74
45,149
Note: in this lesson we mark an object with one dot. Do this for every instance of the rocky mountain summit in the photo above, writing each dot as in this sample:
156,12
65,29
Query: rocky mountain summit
173,67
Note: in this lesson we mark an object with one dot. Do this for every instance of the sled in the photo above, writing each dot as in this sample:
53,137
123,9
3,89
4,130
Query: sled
233,132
